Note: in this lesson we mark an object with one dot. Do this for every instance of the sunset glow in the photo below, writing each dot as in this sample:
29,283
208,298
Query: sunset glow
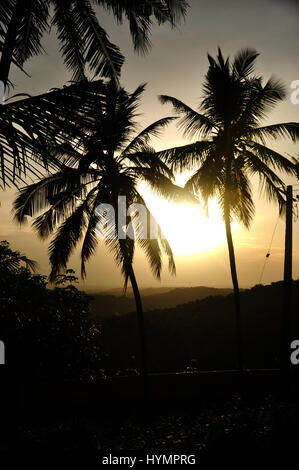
187,227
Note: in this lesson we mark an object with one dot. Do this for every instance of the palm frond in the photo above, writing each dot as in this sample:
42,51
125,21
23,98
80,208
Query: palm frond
270,182
72,44
152,250
34,23
30,128
140,14
37,196
90,239
185,156
103,57
30,263
62,206
193,123
153,242
142,139
34,197
288,130
272,158
148,158
206,181
6,10
163,186
67,237
244,63
241,202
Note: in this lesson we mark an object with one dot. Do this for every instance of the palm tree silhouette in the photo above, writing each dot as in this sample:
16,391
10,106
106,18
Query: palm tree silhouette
233,146
98,168
82,39
30,122
83,43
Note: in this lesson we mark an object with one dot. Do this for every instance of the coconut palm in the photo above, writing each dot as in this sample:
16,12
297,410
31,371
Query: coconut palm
81,37
85,47
230,145
105,164
29,122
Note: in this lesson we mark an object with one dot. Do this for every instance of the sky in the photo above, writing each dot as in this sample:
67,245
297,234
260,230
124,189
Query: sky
176,66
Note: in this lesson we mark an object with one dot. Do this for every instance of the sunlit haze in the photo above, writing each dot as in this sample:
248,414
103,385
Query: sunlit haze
190,228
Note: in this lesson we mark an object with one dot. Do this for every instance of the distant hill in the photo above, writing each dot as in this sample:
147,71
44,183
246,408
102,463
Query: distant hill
106,304
118,291
201,333
181,295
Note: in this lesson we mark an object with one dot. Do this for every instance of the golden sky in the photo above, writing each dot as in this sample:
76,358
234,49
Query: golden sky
176,66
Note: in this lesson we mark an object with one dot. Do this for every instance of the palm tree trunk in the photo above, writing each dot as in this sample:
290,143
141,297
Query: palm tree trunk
140,317
9,43
234,275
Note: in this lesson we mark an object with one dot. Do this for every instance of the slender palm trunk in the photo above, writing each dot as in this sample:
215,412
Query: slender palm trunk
9,43
234,275
140,317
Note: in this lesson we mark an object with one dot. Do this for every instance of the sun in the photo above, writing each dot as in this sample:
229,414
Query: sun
187,227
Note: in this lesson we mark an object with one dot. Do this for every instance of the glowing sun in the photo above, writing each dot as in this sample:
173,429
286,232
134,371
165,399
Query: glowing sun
187,227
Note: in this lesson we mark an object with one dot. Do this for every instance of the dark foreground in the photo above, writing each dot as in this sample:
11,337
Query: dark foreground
265,423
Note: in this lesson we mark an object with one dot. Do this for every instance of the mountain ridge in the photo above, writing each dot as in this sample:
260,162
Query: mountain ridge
106,304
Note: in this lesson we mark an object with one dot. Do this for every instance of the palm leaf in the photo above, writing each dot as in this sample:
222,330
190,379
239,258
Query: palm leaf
140,14
270,183
270,157
244,63
285,130
103,57
90,239
66,239
34,23
142,139
193,123
31,127
185,156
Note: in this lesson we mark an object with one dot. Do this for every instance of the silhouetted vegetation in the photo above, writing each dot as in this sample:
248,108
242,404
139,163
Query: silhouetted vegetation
84,44
80,149
85,48
47,333
231,146
106,164
200,335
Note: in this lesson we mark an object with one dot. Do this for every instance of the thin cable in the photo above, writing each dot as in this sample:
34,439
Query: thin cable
269,249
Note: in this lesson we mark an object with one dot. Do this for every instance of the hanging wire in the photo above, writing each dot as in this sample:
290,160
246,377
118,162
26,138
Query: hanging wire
269,250
295,209
296,217
295,204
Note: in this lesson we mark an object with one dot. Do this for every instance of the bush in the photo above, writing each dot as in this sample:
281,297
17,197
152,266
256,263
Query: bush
48,333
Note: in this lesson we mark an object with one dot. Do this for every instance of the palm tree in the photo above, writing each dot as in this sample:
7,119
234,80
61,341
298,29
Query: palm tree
83,42
99,168
230,146
82,39
30,122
